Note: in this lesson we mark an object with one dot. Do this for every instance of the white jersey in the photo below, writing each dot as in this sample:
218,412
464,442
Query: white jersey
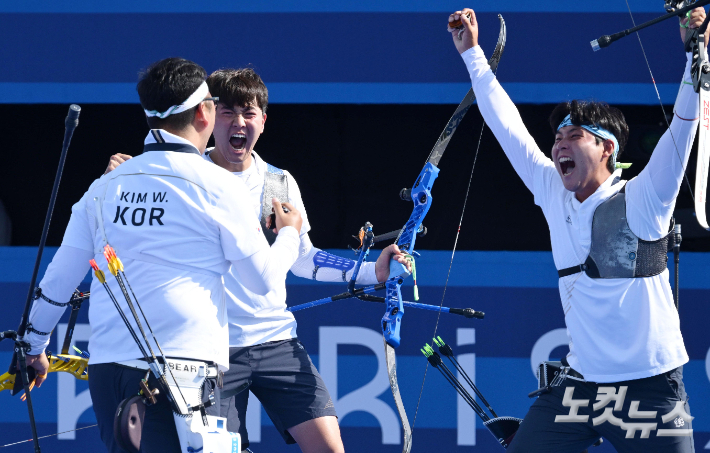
619,329
256,319
176,221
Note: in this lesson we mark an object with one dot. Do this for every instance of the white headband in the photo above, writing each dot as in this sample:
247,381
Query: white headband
194,99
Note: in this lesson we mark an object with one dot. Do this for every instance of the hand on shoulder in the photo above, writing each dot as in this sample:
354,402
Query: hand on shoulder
116,160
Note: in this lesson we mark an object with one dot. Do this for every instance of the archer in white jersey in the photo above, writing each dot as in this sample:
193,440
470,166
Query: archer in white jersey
609,239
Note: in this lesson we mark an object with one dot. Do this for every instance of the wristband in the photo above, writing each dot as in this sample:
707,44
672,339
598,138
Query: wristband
687,16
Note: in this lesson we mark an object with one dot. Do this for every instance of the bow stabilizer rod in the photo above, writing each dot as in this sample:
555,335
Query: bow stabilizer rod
364,294
21,346
606,40
70,123
465,312
342,296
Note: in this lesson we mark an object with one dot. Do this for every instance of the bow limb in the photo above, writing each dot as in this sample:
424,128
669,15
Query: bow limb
701,83
701,175
394,385
76,366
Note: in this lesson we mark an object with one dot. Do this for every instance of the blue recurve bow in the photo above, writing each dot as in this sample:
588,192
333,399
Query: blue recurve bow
420,195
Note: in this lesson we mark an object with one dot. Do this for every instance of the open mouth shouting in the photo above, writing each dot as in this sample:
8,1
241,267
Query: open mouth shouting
238,142
566,165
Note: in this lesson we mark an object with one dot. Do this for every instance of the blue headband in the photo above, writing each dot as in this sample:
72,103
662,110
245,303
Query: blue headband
596,130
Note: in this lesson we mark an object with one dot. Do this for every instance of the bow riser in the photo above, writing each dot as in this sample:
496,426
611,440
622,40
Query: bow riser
392,319
76,366
421,197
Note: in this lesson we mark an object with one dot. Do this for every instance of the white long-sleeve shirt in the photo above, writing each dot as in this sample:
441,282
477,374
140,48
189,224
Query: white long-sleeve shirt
619,329
177,222
255,318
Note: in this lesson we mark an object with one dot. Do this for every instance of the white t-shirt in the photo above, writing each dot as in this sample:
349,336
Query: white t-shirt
619,329
256,319
176,222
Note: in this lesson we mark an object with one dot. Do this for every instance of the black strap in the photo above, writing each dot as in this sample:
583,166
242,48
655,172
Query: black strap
35,331
572,270
39,295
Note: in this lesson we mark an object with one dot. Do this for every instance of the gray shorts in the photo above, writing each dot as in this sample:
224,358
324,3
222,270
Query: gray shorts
281,375
540,433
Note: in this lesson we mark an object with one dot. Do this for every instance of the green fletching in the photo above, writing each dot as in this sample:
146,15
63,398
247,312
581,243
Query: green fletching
623,166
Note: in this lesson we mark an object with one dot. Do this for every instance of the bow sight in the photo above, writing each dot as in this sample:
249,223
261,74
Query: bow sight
673,5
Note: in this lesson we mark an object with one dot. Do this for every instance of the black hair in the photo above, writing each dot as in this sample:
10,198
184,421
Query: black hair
587,113
167,83
238,87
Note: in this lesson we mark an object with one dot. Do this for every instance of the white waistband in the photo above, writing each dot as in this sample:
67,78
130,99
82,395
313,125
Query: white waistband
211,370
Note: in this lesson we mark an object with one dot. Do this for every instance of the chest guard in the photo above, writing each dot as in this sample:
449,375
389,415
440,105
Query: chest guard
275,186
616,252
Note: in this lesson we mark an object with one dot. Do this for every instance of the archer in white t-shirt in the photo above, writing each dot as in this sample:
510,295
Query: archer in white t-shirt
283,378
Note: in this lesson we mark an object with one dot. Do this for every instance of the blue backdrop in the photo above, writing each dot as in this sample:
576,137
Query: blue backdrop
318,51
523,325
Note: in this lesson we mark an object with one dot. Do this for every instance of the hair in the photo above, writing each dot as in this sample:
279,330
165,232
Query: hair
166,83
588,113
239,87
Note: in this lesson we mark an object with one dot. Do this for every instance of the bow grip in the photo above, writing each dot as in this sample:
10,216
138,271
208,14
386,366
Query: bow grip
398,270
392,319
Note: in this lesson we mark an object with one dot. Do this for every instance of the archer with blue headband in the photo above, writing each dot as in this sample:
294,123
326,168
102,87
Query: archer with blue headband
609,242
